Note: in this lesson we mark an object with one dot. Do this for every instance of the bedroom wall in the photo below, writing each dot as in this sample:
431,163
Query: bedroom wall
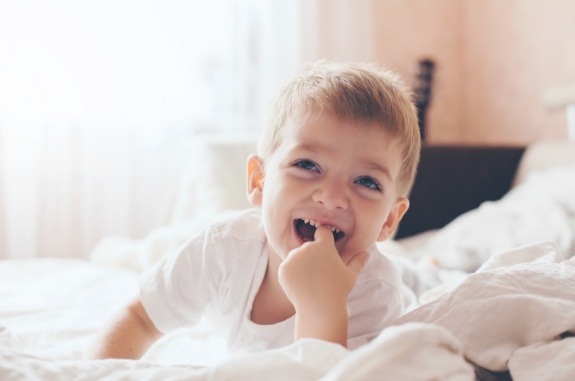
494,61
407,31
517,50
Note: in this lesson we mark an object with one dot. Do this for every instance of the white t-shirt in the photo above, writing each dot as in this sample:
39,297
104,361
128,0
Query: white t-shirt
218,273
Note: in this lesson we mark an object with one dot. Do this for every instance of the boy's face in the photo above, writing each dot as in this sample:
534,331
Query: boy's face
329,171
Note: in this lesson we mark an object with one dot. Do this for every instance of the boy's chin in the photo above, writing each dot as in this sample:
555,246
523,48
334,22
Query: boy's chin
281,253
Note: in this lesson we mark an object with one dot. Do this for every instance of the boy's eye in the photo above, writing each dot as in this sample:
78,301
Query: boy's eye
306,164
369,182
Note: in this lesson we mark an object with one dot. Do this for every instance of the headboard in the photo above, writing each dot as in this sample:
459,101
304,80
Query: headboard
452,180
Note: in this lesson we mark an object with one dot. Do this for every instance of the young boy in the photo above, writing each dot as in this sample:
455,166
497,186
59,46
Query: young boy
334,166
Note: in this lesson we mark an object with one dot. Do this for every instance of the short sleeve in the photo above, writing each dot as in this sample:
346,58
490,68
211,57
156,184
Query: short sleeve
177,291
375,302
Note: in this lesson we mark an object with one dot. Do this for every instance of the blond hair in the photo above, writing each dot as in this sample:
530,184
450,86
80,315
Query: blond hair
356,91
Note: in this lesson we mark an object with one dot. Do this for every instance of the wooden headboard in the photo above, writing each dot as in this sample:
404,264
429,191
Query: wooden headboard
452,180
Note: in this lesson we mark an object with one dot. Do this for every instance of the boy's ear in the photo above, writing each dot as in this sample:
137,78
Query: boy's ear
255,179
393,218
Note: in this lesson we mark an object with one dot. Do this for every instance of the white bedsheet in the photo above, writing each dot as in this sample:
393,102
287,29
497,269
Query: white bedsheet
409,352
507,316
53,306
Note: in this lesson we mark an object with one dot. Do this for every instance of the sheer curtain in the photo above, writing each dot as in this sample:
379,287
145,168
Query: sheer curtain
340,30
96,96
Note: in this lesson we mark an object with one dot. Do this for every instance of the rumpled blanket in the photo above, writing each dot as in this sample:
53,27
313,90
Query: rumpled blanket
519,306
515,315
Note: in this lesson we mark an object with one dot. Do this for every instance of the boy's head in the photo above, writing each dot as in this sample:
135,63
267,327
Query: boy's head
340,151
361,92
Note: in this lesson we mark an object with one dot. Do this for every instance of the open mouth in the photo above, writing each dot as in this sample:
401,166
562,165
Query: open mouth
306,230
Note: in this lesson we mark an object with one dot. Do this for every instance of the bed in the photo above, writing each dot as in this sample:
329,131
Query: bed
487,249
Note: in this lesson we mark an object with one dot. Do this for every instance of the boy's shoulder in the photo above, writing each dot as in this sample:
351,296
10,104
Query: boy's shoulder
239,232
239,225
381,268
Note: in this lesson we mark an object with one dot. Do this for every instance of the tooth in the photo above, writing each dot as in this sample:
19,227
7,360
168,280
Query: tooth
306,220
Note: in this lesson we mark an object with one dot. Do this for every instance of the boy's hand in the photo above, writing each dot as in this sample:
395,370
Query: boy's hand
317,281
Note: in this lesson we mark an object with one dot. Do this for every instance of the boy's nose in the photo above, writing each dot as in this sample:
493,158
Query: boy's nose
331,196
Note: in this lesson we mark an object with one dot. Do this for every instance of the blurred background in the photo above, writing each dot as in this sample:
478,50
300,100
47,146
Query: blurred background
96,97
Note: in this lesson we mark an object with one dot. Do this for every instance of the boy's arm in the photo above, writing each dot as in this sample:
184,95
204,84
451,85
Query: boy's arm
129,335
317,281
